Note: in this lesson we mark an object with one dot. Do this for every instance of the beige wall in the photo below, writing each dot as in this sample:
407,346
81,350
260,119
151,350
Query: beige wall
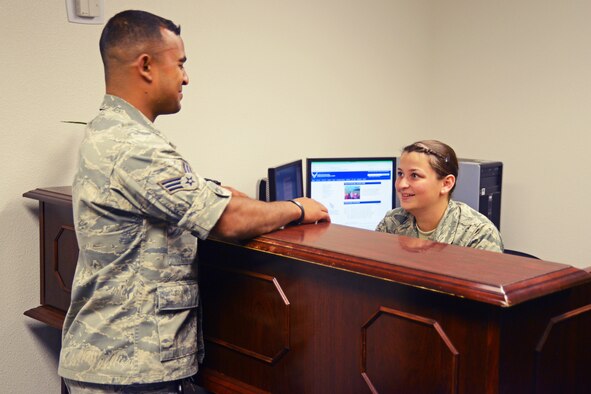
511,81
274,81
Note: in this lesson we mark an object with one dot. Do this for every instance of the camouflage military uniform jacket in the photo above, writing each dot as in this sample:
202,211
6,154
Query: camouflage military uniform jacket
134,311
461,225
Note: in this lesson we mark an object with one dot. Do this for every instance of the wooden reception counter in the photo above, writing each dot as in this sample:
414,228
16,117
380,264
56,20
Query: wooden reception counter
331,309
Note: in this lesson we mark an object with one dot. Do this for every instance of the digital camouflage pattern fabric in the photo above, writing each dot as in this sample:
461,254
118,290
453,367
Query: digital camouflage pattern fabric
134,315
461,225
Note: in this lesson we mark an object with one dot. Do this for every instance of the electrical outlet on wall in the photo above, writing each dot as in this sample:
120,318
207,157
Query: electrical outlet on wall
86,11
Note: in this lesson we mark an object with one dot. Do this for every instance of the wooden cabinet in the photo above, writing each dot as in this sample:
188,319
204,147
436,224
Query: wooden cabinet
58,252
326,308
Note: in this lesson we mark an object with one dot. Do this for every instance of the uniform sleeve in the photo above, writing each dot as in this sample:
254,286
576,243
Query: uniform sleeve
382,226
487,238
395,222
157,181
388,224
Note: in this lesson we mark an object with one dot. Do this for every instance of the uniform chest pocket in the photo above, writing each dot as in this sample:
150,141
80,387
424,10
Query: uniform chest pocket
177,319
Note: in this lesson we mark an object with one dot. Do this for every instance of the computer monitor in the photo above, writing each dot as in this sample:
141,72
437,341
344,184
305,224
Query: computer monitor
357,191
286,181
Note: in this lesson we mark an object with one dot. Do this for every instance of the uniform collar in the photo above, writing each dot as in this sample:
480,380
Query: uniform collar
447,221
118,104
449,216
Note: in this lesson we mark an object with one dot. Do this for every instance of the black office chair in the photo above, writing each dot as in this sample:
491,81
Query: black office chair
522,254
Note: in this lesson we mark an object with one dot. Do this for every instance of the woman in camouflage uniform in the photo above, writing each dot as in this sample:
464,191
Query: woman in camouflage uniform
426,178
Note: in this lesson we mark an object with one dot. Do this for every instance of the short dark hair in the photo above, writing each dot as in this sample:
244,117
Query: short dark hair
131,27
442,157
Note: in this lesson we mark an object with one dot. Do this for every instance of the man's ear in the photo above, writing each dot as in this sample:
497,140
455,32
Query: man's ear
448,183
144,66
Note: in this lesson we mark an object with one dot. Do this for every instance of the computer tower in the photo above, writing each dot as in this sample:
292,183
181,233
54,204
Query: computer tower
479,185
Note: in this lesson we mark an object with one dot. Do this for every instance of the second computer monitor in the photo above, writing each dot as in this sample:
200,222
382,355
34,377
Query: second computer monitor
286,181
357,191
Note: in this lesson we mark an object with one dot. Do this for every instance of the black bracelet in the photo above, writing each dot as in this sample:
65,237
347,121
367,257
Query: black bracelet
301,219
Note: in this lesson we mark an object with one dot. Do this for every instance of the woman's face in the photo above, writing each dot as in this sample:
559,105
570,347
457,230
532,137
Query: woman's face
417,184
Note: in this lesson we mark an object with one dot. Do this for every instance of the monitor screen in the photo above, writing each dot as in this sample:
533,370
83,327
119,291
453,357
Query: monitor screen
286,181
357,191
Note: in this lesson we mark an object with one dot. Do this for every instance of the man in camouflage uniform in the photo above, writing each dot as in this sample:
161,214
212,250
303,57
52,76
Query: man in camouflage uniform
461,225
133,321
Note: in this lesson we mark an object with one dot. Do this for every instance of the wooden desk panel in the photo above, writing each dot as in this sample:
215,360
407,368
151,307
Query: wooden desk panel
423,318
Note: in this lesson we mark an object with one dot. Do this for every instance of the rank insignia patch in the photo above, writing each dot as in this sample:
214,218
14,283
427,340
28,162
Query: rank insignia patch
185,182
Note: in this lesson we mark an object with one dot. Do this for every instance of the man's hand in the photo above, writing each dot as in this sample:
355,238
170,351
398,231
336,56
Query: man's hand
314,211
